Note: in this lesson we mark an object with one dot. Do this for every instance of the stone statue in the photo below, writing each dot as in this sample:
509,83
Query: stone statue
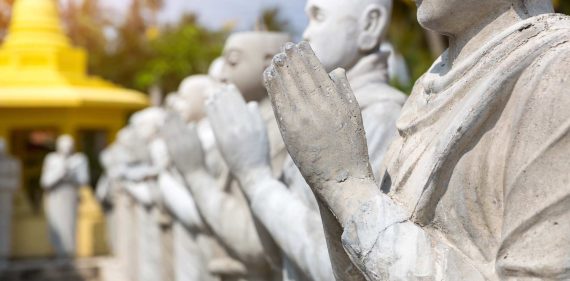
475,186
63,173
220,201
115,160
288,209
10,174
195,246
142,185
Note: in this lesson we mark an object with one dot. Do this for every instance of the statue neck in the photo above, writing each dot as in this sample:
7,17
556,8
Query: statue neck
464,43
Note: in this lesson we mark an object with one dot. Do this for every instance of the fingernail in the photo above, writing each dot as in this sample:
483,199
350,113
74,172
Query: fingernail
288,46
279,59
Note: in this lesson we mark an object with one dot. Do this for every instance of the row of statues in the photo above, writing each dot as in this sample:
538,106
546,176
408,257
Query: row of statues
300,162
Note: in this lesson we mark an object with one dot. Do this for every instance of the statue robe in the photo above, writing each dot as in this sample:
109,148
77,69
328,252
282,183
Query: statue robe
61,178
476,185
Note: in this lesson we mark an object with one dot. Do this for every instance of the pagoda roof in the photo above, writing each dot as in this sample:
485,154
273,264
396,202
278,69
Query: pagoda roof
40,68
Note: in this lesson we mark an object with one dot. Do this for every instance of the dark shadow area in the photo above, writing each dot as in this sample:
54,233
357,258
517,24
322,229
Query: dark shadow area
51,270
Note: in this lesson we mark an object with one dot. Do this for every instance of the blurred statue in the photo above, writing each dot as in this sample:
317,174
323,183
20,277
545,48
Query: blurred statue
475,184
220,201
115,160
10,177
63,173
142,185
195,246
287,209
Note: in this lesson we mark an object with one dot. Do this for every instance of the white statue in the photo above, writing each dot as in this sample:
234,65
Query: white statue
10,178
195,246
475,186
63,173
220,201
288,210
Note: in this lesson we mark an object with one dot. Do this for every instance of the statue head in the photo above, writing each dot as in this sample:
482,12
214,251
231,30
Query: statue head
65,145
192,94
341,32
147,122
246,56
451,17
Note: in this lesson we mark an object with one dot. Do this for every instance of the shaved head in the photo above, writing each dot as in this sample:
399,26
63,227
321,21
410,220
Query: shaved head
343,31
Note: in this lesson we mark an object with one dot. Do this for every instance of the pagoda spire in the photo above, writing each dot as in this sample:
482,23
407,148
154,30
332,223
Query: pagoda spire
35,23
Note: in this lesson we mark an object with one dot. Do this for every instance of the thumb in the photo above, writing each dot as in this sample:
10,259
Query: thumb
340,80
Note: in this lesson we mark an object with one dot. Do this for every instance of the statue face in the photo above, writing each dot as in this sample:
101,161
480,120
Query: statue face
65,145
246,55
332,30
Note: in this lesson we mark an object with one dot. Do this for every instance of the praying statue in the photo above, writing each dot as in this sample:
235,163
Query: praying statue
63,173
285,205
221,203
475,185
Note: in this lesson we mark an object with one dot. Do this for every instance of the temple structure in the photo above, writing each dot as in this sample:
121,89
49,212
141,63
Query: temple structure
45,91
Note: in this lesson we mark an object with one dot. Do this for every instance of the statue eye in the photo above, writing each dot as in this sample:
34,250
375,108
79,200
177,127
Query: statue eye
317,14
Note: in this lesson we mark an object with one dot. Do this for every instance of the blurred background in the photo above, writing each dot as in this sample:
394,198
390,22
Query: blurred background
144,43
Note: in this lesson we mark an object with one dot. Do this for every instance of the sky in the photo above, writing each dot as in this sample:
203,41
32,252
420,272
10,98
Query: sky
215,13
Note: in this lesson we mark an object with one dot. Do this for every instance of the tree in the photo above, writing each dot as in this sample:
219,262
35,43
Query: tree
271,20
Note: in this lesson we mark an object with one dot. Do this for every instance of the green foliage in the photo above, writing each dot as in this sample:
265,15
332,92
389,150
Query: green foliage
272,21
410,39
135,52
179,51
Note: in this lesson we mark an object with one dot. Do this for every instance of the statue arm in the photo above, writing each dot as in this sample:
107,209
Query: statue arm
536,223
227,215
296,228
179,201
229,218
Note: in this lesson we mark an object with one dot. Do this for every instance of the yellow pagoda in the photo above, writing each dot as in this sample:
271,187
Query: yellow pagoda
44,92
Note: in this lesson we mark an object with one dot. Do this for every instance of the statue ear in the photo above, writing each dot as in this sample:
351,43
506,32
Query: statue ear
373,24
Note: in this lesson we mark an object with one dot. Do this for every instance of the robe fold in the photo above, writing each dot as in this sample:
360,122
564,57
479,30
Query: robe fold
477,183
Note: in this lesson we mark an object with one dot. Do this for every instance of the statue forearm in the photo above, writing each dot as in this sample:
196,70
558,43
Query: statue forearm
228,217
303,242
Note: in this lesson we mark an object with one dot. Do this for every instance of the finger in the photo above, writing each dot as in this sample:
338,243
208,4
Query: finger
282,66
275,89
255,114
300,73
213,112
235,102
315,66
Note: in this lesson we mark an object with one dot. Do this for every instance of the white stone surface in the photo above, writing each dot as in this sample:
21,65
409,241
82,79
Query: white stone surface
473,187
218,198
287,209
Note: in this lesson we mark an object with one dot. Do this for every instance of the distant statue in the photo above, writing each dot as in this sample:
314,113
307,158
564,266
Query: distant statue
284,204
10,177
218,198
63,173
